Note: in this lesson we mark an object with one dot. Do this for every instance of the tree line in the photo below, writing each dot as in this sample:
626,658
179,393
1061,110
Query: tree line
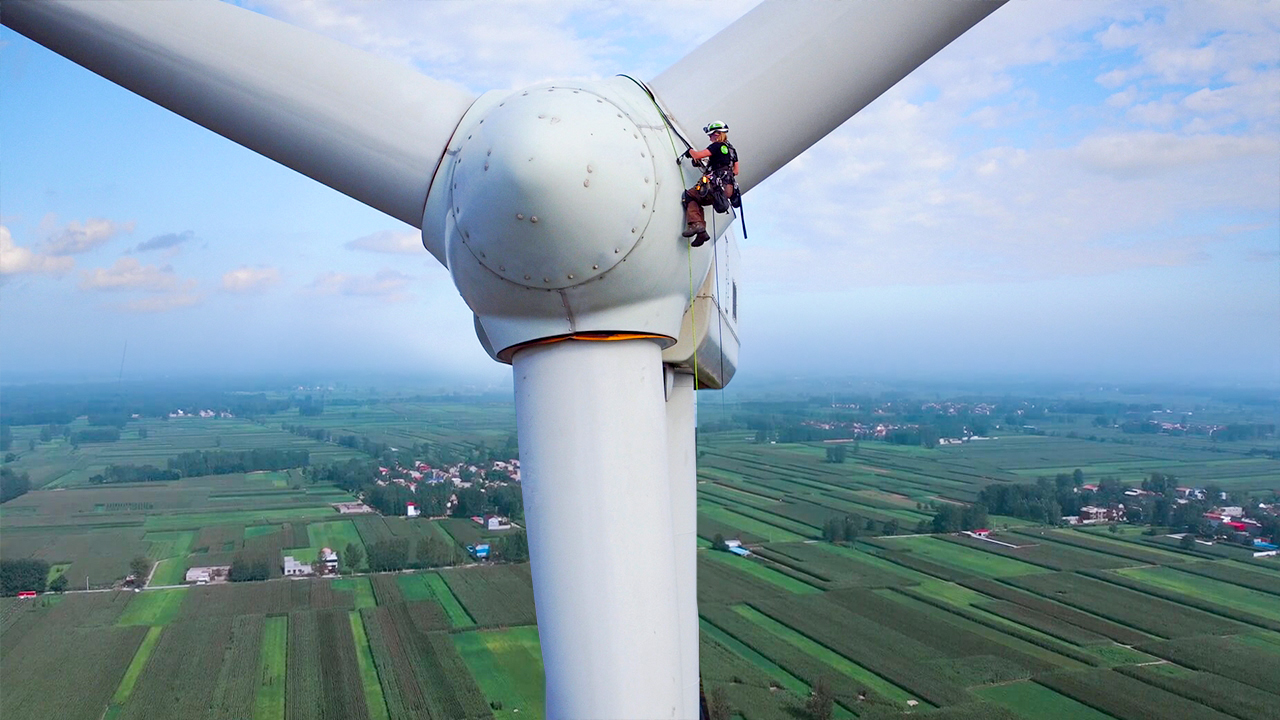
133,474
224,462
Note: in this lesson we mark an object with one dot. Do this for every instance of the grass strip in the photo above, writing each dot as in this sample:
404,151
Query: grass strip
136,665
368,672
269,702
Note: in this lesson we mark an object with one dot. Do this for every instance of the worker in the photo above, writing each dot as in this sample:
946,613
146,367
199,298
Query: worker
718,185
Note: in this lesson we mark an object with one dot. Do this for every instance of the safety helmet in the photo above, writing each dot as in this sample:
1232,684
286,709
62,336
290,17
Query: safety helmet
715,127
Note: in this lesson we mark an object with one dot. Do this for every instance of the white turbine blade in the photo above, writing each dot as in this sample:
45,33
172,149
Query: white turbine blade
787,73
364,126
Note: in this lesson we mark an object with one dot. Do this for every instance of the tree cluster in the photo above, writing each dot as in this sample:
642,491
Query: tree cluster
22,575
310,408
389,555
49,432
13,484
954,518
842,529
246,567
513,547
1047,500
95,435
133,474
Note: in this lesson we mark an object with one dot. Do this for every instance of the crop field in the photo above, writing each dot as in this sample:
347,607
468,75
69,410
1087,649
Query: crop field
334,534
1071,624
964,557
1118,694
1213,590
507,665
1233,657
1149,614
500,595
1032,700
57,464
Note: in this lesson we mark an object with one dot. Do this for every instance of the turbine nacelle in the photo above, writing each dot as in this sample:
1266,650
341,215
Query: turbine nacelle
557,211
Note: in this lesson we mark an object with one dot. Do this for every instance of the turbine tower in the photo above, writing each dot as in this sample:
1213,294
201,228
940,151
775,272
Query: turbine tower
556,209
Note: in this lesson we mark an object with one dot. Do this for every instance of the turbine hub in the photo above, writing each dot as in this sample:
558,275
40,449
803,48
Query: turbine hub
554,187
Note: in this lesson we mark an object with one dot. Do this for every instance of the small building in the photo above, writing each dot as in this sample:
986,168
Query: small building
27,594
981,533
480,551
330,560
739,550
732,543
411,510
496,522
206,575
293,568
1090,514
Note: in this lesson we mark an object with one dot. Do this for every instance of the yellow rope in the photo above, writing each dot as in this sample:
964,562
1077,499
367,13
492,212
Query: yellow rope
693,320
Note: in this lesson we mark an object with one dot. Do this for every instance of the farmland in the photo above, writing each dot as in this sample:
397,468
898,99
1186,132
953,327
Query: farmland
1052,623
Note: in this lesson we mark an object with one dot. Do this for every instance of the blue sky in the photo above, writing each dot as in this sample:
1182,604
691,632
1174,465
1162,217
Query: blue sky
1085,190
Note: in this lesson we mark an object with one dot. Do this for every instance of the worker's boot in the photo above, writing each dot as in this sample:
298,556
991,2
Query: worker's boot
693,228
701,238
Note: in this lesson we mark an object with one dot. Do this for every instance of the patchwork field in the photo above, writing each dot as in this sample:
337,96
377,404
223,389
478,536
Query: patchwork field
1055,624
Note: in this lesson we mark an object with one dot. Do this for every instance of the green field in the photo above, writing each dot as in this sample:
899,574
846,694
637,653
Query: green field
971,560
760,570
269,697
1030,700
368,671
507,664
822,654
360,589
153,607
430,586
1217,591
333,534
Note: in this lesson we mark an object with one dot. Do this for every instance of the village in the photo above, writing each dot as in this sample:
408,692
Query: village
1221,523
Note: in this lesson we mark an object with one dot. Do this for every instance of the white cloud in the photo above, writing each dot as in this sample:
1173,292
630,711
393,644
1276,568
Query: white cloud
386,283
250,279
129,274
394,242
18,260
163,289
488,46
1135,154
160,303
75,238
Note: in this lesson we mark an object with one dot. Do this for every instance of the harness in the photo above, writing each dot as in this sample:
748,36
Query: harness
714,181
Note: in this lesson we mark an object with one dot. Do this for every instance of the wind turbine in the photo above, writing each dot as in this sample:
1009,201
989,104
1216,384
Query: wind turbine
556,210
